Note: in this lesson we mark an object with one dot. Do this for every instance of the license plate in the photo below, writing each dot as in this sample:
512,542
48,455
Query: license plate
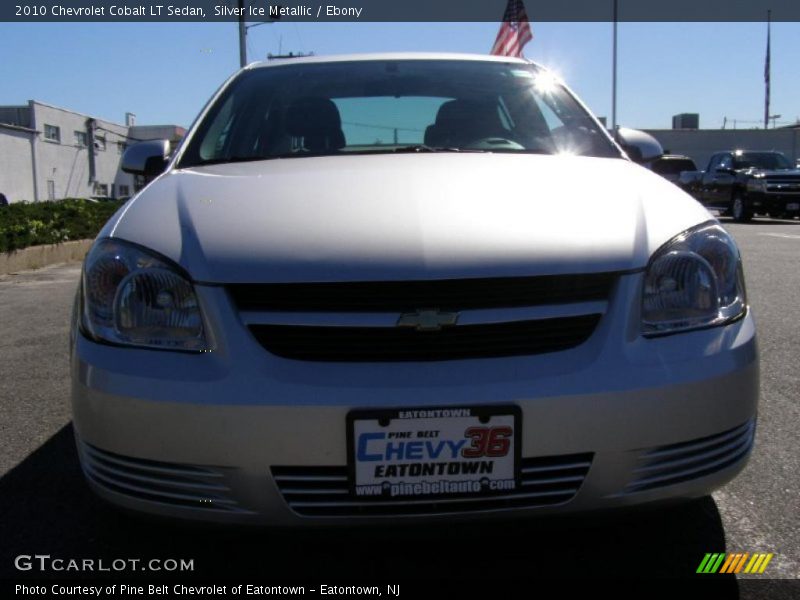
793,206
433,452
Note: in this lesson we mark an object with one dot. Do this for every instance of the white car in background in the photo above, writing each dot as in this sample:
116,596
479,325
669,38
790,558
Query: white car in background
385,287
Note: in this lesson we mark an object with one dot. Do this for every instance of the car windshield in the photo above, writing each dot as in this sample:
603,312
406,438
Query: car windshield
761,160
393,106
673,166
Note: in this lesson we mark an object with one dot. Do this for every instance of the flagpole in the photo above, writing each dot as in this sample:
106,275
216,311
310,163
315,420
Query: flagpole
614,77
767,72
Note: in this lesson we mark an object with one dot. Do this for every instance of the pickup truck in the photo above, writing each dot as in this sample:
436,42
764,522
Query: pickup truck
743,183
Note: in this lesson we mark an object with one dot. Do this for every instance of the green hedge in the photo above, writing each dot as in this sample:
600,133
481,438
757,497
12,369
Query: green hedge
24,224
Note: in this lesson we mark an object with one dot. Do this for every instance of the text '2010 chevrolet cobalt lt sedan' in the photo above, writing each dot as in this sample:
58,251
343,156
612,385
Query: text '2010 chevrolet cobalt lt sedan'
407,286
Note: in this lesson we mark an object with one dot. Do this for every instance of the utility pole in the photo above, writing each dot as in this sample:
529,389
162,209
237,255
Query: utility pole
767,77
614,78
243,27
91,129
242,36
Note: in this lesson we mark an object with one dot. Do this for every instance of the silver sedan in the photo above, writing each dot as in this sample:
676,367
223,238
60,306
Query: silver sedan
407,287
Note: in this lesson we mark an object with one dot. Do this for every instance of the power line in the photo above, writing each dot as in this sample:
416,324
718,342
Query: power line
388,127
299,37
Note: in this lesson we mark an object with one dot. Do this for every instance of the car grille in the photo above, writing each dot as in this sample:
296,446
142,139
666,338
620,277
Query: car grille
325,491
573,306
783,186
375,344
154,481
676,463
405,296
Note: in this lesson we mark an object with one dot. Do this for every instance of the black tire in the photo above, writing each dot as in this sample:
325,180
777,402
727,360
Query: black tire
739,209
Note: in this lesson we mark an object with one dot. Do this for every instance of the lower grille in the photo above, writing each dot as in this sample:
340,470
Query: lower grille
325,491
375,344
676,463
166,483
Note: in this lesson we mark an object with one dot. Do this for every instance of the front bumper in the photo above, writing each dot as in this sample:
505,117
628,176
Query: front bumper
775,204
217,436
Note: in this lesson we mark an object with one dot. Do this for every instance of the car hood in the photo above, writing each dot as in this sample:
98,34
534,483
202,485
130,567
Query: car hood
406,217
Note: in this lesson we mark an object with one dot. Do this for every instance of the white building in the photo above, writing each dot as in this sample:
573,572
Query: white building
49,153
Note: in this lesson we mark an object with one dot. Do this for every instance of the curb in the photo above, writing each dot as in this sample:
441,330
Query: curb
36,257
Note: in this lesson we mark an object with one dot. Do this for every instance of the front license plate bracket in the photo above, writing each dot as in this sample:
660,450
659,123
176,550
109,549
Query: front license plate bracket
433,453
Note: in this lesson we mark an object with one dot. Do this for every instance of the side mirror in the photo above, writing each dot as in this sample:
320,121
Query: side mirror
148,158
638,145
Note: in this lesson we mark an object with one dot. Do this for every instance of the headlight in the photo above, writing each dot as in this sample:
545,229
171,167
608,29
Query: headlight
693,281
135,298
757,185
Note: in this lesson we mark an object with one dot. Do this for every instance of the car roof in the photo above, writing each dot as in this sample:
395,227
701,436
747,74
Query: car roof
387,56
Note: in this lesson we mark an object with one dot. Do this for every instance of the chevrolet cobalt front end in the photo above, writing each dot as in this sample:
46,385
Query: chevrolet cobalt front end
384,287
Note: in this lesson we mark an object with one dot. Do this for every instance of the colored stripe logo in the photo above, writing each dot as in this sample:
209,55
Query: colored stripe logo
735,562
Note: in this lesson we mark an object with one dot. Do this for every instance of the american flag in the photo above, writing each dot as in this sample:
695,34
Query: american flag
515,31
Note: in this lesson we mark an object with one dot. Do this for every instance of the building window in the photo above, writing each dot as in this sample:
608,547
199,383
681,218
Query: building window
100,142
52,133
124,191
51,189
121,147
80,139
101,190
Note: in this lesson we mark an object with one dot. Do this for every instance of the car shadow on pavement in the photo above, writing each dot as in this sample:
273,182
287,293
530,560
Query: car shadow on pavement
46,508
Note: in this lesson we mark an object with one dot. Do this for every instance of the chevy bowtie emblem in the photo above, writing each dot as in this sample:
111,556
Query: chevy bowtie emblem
428,320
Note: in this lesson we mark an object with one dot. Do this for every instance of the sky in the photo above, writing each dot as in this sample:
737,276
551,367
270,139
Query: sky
165,72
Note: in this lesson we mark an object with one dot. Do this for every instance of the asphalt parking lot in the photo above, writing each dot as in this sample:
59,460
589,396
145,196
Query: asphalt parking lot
45,508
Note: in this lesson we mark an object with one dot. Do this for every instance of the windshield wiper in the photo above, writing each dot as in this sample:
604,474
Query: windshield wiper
426,148
239,159
499,149
227,159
